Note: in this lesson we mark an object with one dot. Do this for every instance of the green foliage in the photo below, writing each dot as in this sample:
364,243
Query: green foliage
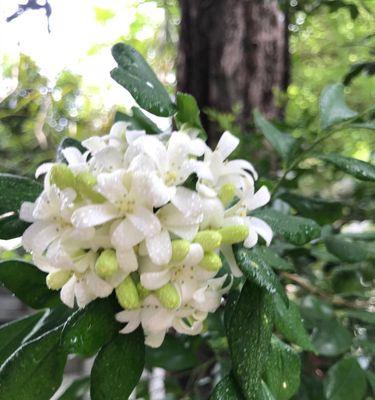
188,113
76,390
138,121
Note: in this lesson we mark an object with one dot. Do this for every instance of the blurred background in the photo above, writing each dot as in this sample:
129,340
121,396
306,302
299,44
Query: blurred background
233,56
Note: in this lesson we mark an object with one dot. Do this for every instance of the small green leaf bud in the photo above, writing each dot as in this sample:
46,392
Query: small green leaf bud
85,183
227,193
127,294
106,265
234,233
56,280
62,176
168,296
211,261
208,239
180,249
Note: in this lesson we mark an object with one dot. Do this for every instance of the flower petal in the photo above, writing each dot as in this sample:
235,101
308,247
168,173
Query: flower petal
154,340
262,228
127,260
145,221
229,256
227,144
93,215
26,211
155,280
187,202
67,292
259,199
97,286
125,236
160,248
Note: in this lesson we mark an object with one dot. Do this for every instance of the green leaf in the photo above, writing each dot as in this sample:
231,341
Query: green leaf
272,258
347,281
282,371
188,113
333,109
265,393
138,121
13,334
345,381
371,380
361,170
330,338
288,322
346,249
28,283
361,315
35,371
14,190
285,144
322,211
249,335
256,269
135,75
88,329
175,354
68,142
226,389
118,367
296,230
77,389
314,310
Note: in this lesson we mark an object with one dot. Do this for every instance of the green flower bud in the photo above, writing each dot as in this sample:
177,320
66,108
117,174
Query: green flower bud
127,294
142,291
106,265
180,249
208,239
168,296
211,262
227,193
85,183
234,233
56,280
62,176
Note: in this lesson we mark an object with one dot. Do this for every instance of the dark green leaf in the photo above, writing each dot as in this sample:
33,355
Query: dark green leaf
138,121
13,334
226,389
283,143
371,380
330,338
282,371
346,249
273,259
118,367
188,113
77,389
175,354
361,315
314,309
361,170
135,75
35,371
265,393
322,211
288,322
88,329
14,190
296,230
345,381
28,283
333,109
347,281
256,269
68,142
249,335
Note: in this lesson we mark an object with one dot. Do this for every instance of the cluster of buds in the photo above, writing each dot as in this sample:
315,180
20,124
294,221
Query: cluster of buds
149,217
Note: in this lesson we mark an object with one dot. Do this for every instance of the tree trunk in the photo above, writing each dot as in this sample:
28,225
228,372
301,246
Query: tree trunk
233,53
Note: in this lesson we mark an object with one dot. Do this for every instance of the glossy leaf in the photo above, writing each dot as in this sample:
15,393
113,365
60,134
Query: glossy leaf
138,121
296,230
285,144
77,389
345,381
333,109
345,249
249,335
135,75
256,269
28,283
265,393
361,170
35,371
282,371
288,322
68,142
188,113
88,329
126,353
13,334
273,259
226,389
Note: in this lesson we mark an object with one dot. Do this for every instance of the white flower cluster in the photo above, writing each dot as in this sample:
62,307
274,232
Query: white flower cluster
121,217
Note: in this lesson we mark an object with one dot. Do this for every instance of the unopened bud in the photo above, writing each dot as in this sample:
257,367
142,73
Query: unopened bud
142,291
56,280
85,183
127,294
227,193
106,265
168,296
180,249
208,239
234,233
62,176
211,262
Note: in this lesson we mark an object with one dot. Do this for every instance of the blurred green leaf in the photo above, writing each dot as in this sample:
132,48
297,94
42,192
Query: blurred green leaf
365,316
188,113
135,75
118,367
77,389
359,169
282,370
345,381
333,109
28,283
226,389
296,230
314,309
345,249
138,121
347,281
35,370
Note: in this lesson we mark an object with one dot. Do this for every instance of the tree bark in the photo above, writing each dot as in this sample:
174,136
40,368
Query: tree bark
233,53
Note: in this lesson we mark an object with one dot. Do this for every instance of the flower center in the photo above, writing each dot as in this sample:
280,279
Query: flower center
127,205
170,178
